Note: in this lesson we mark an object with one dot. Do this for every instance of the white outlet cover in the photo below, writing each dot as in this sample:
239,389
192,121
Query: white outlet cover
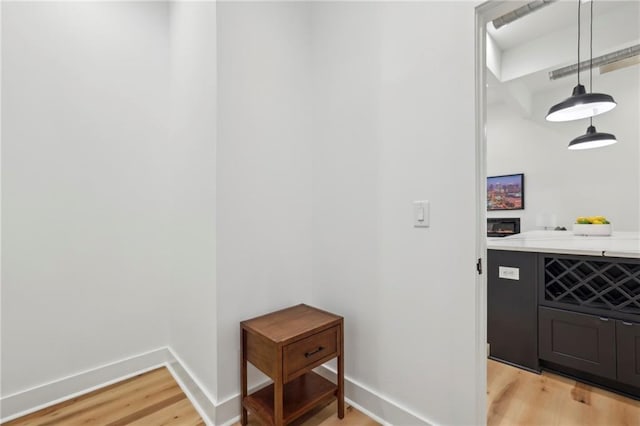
508,273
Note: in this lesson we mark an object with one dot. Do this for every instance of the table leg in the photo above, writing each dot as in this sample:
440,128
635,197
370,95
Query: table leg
278,399
243,376
341,375
278,392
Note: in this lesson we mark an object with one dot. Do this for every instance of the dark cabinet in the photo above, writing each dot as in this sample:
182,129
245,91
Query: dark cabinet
512,324
576,315
579,341
628,339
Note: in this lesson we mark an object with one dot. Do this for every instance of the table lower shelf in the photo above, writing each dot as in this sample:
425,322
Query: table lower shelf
300,394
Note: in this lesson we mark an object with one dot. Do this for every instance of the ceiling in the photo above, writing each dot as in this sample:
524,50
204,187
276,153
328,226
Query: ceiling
521,53
555,16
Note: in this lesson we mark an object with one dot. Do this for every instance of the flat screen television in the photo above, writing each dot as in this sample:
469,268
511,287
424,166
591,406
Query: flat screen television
505,192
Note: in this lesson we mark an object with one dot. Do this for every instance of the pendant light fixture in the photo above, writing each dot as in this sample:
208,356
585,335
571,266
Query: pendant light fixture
581,104
593,138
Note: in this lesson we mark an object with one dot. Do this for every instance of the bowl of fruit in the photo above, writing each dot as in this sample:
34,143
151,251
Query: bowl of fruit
592,225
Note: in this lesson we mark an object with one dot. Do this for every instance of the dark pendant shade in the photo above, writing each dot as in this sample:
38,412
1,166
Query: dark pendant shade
592,139
581,105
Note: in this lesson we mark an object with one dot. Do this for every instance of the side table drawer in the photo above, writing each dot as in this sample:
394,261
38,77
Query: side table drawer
300,356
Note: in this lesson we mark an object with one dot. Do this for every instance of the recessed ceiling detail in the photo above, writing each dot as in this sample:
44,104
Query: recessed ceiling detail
522,54
520,12
607,59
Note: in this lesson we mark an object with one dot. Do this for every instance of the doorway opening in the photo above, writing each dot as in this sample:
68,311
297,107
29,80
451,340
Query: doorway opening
556,338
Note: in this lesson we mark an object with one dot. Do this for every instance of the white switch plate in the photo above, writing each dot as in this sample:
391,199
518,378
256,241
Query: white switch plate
509,273
421,214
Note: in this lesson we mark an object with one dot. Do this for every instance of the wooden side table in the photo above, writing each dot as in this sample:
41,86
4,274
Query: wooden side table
286,345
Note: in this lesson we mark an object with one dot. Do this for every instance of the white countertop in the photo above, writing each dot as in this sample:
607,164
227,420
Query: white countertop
619,244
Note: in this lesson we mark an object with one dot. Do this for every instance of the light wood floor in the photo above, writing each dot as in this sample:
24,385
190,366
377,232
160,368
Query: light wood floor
327,416
518,398
150,399
515,398
155,399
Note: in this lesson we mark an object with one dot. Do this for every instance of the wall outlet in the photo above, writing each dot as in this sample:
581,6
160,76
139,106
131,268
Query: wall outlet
508,273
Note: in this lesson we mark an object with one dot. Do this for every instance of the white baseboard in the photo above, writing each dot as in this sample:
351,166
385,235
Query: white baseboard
228,411
204,403
379,408
374,405
30,400
36,398
225,413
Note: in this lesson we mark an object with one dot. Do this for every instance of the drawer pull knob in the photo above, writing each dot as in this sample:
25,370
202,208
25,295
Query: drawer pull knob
626,323
308,354
604,319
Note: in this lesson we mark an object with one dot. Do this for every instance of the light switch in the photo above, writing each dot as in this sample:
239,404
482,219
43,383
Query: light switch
421,214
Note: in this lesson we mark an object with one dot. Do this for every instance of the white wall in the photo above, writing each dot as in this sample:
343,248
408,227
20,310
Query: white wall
568,184
85,264
264,168
327,131
395,123
192,324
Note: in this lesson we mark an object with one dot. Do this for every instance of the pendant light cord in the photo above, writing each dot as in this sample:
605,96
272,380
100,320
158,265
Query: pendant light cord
591,57
591,51
579,2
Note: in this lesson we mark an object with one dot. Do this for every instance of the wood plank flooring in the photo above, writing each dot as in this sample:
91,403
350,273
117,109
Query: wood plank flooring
514,397
152,398
155,399
327,416
518,397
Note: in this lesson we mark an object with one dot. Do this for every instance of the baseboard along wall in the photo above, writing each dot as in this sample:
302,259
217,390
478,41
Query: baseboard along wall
222,413
378,407
39,397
